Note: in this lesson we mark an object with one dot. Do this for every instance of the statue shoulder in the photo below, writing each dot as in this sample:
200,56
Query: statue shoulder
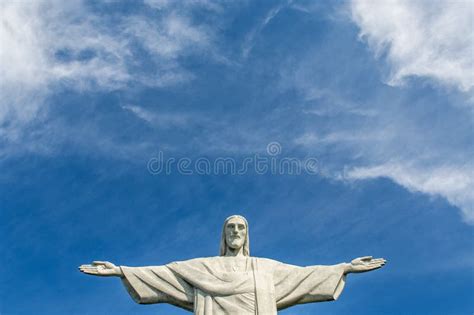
266,262
194,261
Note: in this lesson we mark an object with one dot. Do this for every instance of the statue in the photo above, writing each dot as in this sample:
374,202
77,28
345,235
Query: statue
234,282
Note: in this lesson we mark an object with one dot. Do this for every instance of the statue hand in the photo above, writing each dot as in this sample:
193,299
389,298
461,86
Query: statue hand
101,268
364,264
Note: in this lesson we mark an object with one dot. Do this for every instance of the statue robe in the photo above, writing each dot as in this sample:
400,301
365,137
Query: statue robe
231,285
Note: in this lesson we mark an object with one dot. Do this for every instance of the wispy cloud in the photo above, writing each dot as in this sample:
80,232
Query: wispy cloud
48,46
454,182
157,119
51,46
167,4
431,39
422,143
422,39
396,143
251,37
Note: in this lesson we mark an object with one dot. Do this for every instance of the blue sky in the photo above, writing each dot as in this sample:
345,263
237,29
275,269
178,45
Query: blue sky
379,93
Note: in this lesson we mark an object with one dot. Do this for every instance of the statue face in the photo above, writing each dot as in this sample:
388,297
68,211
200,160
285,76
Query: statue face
235,233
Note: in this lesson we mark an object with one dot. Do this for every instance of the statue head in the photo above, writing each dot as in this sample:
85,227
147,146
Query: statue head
235,235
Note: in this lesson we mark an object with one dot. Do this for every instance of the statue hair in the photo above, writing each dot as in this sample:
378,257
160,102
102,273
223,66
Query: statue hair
223,245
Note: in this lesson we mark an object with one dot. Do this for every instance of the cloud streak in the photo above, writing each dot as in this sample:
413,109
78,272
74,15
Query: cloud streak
399,143
50,46
255,32
453,182
420,38
159,120
411,134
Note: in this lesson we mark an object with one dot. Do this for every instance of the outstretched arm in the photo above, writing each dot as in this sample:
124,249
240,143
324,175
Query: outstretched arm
147,285
364,264
101,269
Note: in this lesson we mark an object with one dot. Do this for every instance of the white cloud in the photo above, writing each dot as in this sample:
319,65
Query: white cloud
32,35
167,4
158,119
255,32
46,45
401,144
422,144
337,137
431,39
453,182
412,136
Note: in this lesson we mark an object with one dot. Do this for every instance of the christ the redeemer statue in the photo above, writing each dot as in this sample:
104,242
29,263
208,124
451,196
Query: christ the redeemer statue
234,282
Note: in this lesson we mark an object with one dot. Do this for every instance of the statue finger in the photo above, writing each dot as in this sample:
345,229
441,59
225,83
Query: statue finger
89,267
365,258
89,271
98,262
375,265
84,266
376,262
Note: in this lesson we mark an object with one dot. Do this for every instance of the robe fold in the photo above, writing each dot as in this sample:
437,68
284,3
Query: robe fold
234,286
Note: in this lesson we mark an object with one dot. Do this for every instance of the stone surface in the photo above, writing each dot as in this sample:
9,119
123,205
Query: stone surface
234,282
